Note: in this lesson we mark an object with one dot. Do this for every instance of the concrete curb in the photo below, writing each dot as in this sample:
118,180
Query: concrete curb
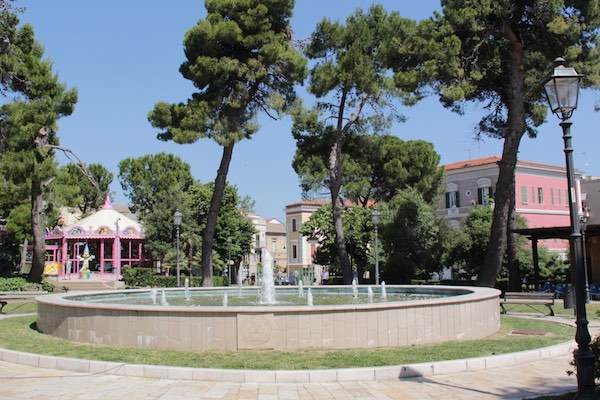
285,376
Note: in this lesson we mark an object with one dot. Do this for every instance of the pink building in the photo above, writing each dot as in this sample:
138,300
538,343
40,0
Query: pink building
113,240
541,193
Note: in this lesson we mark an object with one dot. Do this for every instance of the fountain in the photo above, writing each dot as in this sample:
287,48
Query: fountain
268,281
332,317
187,289
225,299
240,278
163,299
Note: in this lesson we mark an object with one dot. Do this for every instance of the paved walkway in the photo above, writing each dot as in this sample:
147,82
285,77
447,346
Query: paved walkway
542,377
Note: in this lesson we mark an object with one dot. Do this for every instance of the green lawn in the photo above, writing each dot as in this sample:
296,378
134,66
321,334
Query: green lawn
591,309
19,333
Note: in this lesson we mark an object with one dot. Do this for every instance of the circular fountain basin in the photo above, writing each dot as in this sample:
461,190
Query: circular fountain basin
196,319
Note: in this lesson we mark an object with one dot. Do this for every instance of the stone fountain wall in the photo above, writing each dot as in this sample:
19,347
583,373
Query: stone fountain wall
470,316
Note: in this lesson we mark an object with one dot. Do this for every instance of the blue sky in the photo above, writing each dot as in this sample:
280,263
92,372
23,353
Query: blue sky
124,56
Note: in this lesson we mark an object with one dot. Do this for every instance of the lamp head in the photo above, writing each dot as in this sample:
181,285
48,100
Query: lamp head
562,89
376,217
177,217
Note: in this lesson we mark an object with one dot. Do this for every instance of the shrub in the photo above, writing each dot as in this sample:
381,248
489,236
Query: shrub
19,284
145,277
595,348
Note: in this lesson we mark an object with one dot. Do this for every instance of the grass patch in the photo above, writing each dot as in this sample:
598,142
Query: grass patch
19,333
20,307
591,309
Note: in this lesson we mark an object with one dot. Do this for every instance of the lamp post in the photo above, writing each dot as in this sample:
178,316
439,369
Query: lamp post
562,91
177,217
375,218
229,258
583,218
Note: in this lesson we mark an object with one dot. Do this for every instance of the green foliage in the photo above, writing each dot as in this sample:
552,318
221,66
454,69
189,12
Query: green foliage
28,128
144,177
552,266
497,53
146,277
355,219
470,249
410,236
76,190
232,222
19,284
375,167
241,60
354,87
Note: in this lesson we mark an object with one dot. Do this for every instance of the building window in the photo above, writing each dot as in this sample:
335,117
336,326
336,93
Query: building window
552,196
524,194
274,246
532,194
559,196
294,227
484,194
452,199
294,252
540,195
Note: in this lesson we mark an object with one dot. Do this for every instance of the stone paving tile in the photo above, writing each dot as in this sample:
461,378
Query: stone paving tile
19,382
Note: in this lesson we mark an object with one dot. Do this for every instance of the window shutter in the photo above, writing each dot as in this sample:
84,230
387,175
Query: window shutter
447,200
457,199
480,196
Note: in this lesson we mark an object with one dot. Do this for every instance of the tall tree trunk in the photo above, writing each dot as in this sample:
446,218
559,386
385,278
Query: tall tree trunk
213,213
505,187
336,162
514,266
37,209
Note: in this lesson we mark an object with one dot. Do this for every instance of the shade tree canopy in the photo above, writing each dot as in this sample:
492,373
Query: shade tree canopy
241,60
28,126
498,53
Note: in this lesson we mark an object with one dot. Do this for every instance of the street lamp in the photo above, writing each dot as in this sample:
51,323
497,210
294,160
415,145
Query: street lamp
583,218
375,217
229,258
562,91
177,217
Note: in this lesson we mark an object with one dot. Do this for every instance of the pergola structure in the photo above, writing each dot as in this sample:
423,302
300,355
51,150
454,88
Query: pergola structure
592,245
113,239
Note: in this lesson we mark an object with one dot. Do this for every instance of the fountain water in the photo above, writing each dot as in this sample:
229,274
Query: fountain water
153,296
383,291
354,288
187,289
300,288
267,294
309,298
369,295
225,299
240,279
163,299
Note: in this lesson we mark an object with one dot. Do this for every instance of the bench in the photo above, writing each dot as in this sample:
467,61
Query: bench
6,297
529,299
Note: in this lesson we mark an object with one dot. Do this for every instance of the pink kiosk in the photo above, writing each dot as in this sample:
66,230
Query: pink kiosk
97,246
